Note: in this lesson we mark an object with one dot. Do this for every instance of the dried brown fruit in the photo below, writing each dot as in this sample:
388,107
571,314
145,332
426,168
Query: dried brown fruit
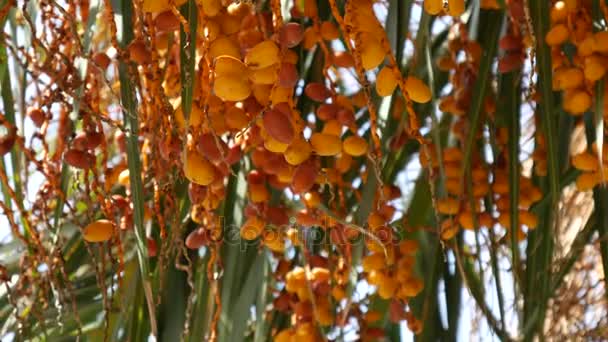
291,34
79,159
317,92
304,177
278,125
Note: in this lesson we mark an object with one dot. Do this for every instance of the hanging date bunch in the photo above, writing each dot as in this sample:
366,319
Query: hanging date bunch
292,170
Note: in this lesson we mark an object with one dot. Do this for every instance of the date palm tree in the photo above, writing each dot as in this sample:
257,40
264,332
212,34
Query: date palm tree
303,170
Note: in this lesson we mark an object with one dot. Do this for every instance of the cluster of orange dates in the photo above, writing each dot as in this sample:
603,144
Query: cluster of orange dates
487,178
579,53
246,112
576,74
